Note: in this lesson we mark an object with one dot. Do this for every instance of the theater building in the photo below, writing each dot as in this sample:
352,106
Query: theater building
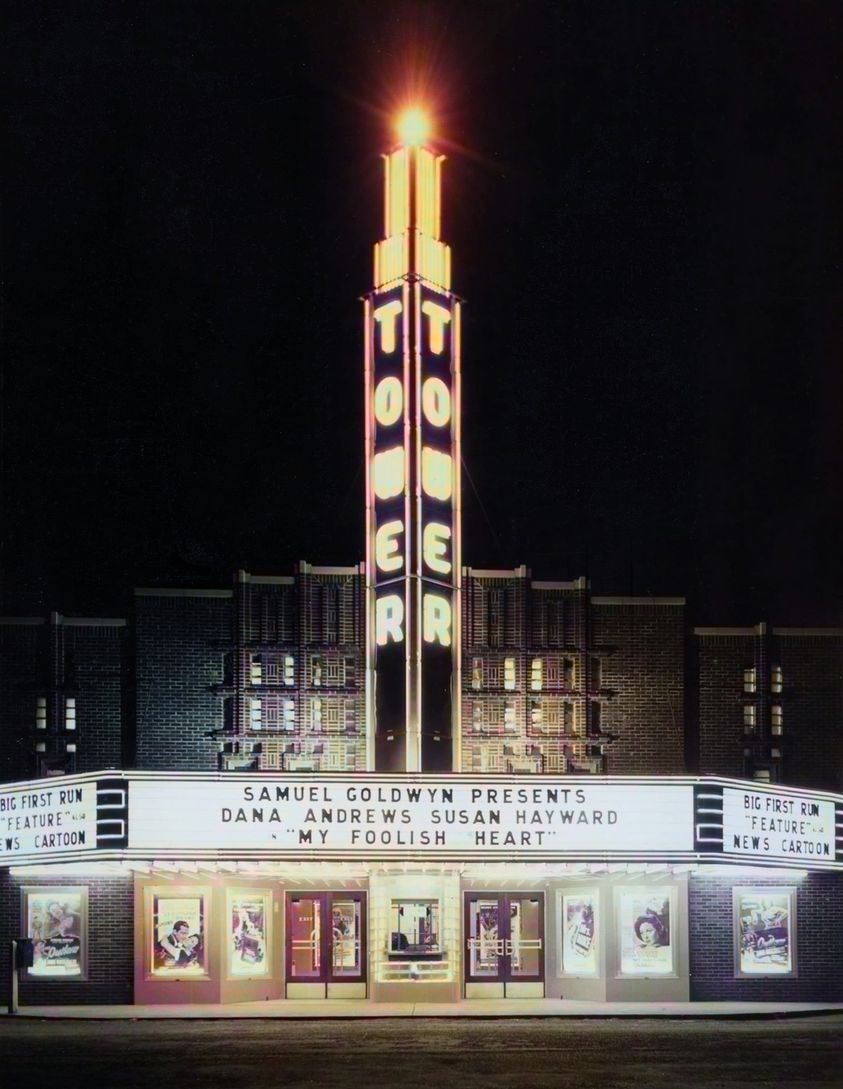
408,779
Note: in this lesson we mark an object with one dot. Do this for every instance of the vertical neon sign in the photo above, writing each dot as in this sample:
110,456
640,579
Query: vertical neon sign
413,556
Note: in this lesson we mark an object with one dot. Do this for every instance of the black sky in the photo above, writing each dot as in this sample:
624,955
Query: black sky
643,201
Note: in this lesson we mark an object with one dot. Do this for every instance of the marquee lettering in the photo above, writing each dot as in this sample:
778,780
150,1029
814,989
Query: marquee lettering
387,317
389,401
387,546
389,619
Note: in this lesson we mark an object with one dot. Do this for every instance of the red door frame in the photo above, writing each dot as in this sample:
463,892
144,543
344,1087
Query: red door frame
504,934
326,961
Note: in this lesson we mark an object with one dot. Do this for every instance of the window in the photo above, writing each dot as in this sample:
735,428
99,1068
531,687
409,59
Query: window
765,931
289,712
256,669
41,713
536,675
509,674
476,673
776,720
495,617
595,716
414,928
71,746
316,670
510,723
536,716
750,681
567,673
316,714
749,718
776,680
289,670
595,668
70,713
477,716
567,716
335,672
255,714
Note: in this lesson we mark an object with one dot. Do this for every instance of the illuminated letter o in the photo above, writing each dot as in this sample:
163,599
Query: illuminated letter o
436,402
389,401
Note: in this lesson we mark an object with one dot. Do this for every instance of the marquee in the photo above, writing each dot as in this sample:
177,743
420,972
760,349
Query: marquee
206,816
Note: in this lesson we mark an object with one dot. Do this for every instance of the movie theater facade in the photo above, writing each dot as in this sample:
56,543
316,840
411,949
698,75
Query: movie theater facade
422,782
427,888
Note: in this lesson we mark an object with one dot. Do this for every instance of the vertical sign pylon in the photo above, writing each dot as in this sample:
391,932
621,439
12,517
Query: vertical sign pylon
413,561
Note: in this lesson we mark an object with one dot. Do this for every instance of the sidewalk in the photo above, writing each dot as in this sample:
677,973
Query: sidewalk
492,1008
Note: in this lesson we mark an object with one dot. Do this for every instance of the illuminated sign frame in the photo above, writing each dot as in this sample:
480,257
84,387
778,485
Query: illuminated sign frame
641,819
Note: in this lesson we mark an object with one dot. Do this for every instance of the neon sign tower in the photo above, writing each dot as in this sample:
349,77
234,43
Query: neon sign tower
413,554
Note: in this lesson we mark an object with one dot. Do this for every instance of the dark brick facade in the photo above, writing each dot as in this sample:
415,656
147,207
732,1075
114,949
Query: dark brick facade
819,941
110,942
181,640
770,704
62,693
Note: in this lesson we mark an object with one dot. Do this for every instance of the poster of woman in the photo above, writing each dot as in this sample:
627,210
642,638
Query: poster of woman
645,939
765,940
248,913
579,941
55,922
178,936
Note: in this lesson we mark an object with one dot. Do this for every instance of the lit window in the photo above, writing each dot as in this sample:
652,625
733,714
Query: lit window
255,716
289,670
289,714
477,673
477,716
316,713
70,713
749,718
316,671
750,682
536,674
776,680
776,720
509,674
41,713
536,714
761,775
510,724
71,746
256,669
41,746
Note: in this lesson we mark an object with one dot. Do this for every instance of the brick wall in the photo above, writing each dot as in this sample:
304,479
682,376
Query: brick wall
641,643
812,706
819,942
20,641
721,659
110,943
181,638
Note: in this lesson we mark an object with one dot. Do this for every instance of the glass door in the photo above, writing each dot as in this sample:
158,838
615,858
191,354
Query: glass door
504,937
326,937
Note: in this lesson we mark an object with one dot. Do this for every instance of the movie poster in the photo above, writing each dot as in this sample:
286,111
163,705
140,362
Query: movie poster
248,913
579,939
55,920
764,931
645,936
178,936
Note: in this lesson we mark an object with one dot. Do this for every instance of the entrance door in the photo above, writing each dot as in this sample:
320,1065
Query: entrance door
326,945
504,933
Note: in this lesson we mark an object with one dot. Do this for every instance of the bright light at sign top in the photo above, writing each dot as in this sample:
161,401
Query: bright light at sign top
413,127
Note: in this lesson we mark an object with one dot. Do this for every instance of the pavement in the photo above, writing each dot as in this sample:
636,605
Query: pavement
327,1009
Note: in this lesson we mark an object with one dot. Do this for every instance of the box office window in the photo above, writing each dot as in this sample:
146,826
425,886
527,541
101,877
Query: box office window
178,934
579,918
56,919
646,919
414,928
765,931
248,915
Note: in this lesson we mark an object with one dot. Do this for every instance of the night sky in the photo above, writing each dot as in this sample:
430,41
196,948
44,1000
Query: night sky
643,201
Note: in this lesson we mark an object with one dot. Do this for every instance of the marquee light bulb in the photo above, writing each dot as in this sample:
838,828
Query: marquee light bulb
413,127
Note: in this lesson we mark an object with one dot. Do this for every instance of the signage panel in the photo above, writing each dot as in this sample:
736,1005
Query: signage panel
394,817
778,824
47,818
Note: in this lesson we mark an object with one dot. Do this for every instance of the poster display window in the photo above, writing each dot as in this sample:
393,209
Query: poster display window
646,917
579,934
178,933
248,939
57,921
765,931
